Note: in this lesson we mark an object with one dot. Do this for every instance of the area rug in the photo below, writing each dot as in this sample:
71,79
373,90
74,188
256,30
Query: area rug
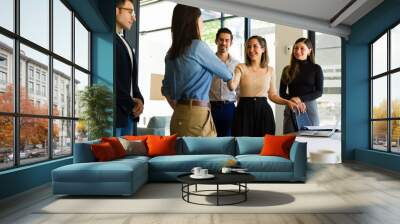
167,198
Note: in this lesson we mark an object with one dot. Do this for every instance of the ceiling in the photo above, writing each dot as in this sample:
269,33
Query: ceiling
328,16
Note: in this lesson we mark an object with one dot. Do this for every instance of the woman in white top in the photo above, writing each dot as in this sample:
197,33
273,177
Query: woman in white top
253,115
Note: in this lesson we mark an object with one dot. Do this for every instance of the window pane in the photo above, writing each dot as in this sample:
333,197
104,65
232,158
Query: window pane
34,72
7,14
62,29
379,98
210,29
35,21
6,142
6,74
395,138
62,89
379,55
33,140
266,30
395,47
81,131
62,141
328,56
236,25
379,135
208,14
81,81
395,95
81,45
162,9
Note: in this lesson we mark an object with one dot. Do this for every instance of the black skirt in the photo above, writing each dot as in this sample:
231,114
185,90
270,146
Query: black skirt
253,117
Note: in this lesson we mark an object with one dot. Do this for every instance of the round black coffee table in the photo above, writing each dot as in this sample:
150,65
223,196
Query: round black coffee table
238,179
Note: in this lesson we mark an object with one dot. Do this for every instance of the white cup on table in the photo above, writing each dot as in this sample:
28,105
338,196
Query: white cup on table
203,172
196,170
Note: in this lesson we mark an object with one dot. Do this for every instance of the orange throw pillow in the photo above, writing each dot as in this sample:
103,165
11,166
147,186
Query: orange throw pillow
277,145
161,145
103,152
116,145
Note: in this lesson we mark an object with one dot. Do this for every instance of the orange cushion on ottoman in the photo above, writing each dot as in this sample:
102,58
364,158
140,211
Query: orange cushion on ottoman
103,152
277,145
116,145
161,145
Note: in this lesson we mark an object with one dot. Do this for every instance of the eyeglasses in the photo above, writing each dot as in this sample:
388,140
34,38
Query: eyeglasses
130,11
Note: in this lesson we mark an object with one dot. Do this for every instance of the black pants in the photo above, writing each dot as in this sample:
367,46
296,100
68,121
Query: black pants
253,117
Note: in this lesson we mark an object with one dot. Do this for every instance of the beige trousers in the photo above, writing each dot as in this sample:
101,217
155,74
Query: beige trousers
189,120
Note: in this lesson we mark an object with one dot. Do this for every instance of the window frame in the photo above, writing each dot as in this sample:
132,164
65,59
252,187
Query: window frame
16,115
388,74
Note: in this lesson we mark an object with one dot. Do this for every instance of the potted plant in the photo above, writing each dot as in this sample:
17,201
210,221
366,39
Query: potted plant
96,104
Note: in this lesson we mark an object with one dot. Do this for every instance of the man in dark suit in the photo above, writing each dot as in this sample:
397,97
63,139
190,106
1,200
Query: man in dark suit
129,99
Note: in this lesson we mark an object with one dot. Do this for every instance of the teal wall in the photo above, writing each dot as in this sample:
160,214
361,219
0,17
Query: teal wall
98,15
356,85
24,178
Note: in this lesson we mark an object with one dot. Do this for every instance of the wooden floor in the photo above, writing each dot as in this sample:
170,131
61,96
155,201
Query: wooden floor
377,188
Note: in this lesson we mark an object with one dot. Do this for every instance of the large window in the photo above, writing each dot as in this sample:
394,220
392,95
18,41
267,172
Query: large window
385,97
40,80
328,56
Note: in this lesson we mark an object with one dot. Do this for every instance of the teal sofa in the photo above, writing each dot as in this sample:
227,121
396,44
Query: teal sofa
125,176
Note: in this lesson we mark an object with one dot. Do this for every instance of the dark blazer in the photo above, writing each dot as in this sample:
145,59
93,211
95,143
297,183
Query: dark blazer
126,76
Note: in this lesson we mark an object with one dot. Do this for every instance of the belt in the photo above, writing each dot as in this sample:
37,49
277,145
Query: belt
198,103
221,102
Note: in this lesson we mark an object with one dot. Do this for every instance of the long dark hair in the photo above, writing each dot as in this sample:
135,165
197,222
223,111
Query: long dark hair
264,57
184,29
289,72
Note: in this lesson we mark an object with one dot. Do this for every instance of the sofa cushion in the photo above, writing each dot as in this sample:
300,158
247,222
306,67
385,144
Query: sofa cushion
103,152
277,145
83,152
135,137
161,145
249,145
112,171
208,145
185,163
136,147
116,145
257,163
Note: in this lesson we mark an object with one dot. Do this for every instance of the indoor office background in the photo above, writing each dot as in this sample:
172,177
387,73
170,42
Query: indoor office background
45,60
60,45
155,39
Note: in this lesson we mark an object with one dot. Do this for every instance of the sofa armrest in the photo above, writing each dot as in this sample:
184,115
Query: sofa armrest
151,131
83,153
298,155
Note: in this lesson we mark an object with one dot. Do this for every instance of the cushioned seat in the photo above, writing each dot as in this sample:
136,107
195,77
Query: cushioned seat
257,163
167,168
119,177
125,176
